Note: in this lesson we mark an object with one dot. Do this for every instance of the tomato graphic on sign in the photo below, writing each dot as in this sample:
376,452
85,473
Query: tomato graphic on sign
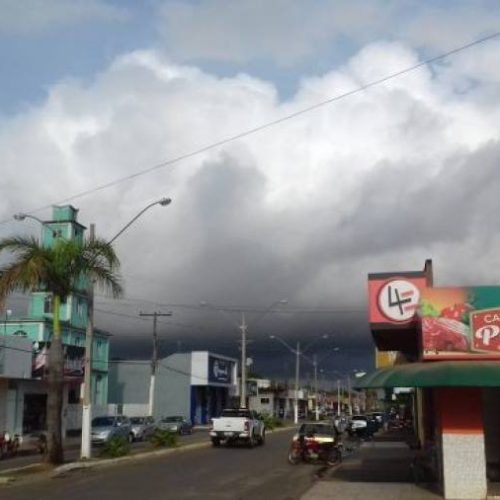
398,300
485,326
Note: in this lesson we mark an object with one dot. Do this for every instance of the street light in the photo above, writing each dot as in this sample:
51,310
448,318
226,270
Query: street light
86,448
163,202
297,352
20,216
243,327
314,361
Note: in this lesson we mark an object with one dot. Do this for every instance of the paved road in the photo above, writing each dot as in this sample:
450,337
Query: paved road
206,473
73,453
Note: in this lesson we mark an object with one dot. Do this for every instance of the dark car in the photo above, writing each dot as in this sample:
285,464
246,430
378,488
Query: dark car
178,424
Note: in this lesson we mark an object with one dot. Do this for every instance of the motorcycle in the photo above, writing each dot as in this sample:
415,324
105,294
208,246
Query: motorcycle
8,445
315,448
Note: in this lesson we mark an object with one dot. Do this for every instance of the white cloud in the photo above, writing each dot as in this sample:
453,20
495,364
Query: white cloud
32,17
303,210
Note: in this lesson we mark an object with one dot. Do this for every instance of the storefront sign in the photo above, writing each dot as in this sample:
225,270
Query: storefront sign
394,300
460,323
219,370
485,326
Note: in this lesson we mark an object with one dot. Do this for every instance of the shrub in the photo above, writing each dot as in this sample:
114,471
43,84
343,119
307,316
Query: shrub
271,422
163,438
116,447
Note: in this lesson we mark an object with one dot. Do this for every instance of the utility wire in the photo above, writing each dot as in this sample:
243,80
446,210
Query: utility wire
264,126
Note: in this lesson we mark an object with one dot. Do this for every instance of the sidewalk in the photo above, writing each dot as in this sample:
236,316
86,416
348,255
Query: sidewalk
379,469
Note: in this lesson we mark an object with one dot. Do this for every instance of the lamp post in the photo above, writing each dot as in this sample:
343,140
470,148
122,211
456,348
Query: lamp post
297,352
338,397
21,216
86,448
315,364
243,327
314,361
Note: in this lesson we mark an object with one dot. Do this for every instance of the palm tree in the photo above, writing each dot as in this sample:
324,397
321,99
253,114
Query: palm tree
60,270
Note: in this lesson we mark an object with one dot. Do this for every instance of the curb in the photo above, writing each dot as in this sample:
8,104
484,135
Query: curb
7,476
109,462
63,469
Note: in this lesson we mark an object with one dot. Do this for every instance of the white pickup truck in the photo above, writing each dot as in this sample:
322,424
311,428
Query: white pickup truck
238,425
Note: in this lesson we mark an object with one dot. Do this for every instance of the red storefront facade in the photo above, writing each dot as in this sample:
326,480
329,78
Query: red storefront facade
449,341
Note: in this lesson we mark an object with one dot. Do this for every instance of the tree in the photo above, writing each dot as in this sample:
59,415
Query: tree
60,270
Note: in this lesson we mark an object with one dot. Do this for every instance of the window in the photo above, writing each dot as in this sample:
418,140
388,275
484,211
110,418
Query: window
47,304
99,349
79,307
73,396
264,401
236,413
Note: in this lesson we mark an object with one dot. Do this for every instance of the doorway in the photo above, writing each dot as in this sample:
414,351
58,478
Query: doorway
35,413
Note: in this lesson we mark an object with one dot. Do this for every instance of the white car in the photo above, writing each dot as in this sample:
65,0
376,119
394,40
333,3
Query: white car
359,422
238,425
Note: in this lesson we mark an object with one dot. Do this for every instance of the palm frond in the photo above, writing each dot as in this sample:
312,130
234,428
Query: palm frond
28,267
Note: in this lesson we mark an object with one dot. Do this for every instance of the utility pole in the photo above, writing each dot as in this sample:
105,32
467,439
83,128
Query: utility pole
86,447
338,397
349,394
315,364
154,357
296,399
243,392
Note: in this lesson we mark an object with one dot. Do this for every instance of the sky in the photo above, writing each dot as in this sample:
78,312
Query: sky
111,105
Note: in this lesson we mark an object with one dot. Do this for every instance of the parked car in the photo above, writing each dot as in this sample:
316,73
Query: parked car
142,427
177,424
106,428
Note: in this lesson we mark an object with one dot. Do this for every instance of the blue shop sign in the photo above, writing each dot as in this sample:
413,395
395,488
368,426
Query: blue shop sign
219,370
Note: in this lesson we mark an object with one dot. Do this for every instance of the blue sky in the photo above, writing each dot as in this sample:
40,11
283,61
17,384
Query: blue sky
43,42
94,91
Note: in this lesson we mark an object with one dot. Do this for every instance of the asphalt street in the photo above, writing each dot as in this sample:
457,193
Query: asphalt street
73,452
206,473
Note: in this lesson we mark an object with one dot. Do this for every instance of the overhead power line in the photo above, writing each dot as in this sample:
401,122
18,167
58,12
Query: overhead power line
264,126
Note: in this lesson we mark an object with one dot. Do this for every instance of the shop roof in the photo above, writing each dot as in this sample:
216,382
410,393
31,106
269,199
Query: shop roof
434,374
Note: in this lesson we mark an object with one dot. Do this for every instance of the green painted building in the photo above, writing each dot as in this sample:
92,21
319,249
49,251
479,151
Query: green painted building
37,326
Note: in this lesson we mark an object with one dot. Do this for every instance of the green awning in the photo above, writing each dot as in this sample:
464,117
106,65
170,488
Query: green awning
434,374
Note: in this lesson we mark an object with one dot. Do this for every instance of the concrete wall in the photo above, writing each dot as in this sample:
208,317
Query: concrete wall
129,386
128,409
15,357
129,382
262,403
173,386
